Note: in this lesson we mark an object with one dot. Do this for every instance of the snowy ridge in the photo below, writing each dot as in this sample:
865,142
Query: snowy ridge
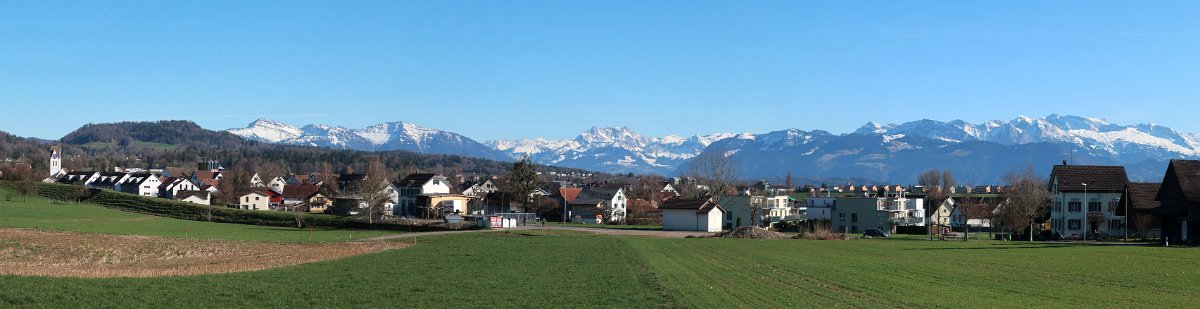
385,136
612,149
1092,133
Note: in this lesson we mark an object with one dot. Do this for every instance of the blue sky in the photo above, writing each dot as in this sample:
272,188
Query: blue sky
510,69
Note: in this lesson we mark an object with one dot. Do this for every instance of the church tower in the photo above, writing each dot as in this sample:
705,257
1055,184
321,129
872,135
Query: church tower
55,161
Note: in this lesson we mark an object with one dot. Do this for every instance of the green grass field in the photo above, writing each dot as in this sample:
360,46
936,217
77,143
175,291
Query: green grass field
562,269
580,270
39,213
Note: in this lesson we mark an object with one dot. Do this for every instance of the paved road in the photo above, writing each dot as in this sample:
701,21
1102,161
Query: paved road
603,231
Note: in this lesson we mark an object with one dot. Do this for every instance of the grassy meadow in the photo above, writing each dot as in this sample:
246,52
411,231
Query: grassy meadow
545,268
40,213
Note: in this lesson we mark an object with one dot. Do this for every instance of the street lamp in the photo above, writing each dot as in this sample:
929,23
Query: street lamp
1085,202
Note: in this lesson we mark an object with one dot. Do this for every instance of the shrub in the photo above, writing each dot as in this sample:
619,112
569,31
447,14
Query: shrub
188,211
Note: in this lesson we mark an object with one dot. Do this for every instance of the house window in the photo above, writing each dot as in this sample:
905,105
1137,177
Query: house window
1094,206
841,216
1057,206
854,218
437,182
1114,224
1074,224
1074,206
1113,204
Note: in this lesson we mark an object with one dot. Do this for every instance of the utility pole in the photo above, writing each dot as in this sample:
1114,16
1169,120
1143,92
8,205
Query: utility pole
1085,204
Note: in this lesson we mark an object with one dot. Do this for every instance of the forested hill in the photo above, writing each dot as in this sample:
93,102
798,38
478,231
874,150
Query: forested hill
183,144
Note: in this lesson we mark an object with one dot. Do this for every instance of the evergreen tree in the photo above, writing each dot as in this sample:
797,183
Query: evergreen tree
523,181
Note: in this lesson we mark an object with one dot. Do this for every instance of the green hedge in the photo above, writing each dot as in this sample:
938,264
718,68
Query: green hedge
188,211
912,230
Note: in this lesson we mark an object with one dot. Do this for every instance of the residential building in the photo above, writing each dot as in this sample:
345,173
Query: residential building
856,214
597,205
108,181
692,215
144,184
1179,199
278,184
255,200
1084,199
1139,201
427,195
194,197
308,196
819,208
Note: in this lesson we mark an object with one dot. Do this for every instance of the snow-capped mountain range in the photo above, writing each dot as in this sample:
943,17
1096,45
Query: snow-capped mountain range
886,152
384,136
612,149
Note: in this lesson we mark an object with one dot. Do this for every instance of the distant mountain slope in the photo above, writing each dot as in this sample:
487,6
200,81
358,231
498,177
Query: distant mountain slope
385,136
104,146
612,149
978,153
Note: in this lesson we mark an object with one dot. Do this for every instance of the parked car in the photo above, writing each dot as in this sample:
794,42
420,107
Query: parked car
875,233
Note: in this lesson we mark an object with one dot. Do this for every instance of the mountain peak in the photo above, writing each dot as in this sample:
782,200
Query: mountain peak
872,128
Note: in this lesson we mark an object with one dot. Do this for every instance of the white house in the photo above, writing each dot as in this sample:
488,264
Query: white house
692,215
108,180
819,207
413,194
144,184
78,178
598,205
255,201
277,184
171,187
1100,186
256,181
194,197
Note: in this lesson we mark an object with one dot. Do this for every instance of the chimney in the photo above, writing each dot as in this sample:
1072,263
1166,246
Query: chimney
1064,162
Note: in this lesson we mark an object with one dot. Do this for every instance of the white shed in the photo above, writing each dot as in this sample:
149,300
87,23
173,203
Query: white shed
692,215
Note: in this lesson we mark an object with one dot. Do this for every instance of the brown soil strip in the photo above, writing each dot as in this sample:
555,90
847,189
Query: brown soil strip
25,252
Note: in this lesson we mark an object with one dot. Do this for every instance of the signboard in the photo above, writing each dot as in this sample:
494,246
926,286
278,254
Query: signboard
497,222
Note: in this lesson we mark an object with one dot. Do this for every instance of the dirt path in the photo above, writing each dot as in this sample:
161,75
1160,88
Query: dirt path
603,231
26,252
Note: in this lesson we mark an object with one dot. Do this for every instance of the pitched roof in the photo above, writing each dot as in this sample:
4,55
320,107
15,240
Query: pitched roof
205,175
594,195
1141,196
700,205
1098,178
1187,172
182,194
569,194
680,203
300,191
415,180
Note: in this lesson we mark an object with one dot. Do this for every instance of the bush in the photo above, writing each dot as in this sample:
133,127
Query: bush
188,211
912,230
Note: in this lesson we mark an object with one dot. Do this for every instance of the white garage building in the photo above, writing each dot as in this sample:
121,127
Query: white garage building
692,215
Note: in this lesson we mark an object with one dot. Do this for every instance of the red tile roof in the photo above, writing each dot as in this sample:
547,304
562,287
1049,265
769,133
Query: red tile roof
1071,178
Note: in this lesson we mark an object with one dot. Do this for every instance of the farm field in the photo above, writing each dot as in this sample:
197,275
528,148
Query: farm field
518,268
40,213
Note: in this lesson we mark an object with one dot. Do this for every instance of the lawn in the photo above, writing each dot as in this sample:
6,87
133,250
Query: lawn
714,273
475,270
39,213
564,269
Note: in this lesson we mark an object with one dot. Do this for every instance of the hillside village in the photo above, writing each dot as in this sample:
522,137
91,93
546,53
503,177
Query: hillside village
1115,206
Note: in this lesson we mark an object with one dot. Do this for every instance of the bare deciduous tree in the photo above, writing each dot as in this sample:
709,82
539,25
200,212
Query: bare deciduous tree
712,170
1027,199
373,190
